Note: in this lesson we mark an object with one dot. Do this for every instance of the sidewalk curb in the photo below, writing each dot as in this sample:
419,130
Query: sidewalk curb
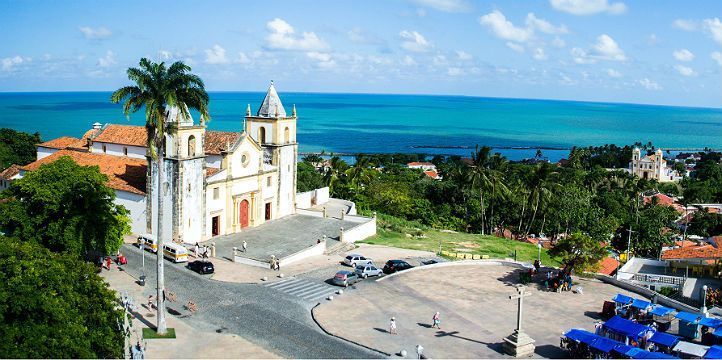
313,316
487,262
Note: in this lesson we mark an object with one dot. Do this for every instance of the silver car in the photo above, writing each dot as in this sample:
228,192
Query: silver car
365,271
354,260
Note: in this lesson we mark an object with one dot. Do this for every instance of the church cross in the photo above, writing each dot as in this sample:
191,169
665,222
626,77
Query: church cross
520,295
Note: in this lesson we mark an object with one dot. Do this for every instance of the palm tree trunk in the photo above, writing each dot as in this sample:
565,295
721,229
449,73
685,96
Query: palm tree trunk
521,219
160,286
481,196
533,217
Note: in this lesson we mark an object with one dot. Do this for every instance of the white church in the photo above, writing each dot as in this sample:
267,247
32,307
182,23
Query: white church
217,182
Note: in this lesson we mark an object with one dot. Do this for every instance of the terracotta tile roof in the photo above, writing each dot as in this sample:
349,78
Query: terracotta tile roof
693,252
212,171
685,243
123,134
608,266
665,201
432,174
217,141
416,163
124,173
62,143
11,171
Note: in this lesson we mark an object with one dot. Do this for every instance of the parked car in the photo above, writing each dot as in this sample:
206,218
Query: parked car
393,266
202,267
429,262
354,260
365,271
345,278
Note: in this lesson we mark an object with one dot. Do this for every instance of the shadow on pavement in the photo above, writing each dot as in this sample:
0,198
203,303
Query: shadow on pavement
428,326
593,314
455,335
550,352
381,330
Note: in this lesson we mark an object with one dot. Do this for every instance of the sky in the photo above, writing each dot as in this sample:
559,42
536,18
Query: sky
649,52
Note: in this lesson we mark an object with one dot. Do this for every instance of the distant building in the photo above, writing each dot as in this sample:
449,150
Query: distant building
8,175
428,168
652,167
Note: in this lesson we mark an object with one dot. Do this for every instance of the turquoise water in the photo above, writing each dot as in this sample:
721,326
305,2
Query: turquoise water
352,123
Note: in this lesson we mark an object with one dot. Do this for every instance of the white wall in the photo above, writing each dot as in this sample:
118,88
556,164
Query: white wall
136,206
45,152
322,195
136,152
192,213
360,232
303,200
215,207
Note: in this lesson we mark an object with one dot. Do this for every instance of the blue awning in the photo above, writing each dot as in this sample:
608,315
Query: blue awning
640,304
660,310
715,352
627,350
665,339
711,322
624,299
625,327
580,335
718,332
603,344
689,317
654,355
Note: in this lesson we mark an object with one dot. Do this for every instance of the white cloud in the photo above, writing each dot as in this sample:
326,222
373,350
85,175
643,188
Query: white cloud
714,27
282,37
216,55
445,5
650,84
588,7
9,63
413,41
108,60
164,55
516,47
533,22
323,60
439,60
463,55
455,71
604,49
503,28
683,55
717,56
95,34
558,42
539,54
685,70
685,24
242,58
408,61
613,73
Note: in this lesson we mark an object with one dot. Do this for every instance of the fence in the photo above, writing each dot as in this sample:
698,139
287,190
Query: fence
359,232
308,199
661,299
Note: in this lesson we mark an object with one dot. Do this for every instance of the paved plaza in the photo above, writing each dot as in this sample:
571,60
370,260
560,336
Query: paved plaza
282,237
476,313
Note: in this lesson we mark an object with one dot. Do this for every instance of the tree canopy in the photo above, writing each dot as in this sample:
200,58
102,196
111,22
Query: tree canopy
65,207
17,147
579,252
54,306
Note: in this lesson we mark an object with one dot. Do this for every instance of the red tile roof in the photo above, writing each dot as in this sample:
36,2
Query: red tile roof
416,163
10,172
212,171
215,141
693,252
62,143
432,174
608,266
685,243
124,173
664,200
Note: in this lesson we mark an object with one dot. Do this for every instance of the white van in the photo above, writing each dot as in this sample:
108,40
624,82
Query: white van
174,252
149,242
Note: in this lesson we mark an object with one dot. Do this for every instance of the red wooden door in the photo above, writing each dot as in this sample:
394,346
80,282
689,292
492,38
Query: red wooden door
216,227
244,213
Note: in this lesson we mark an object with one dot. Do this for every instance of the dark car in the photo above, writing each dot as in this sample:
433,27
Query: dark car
393,266
202,267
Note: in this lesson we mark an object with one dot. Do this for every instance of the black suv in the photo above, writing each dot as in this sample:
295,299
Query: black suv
393,266
202,267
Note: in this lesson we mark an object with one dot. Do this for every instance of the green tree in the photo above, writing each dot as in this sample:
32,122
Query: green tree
651,231
17,147
158,89
65,207
54,306
579,252
308,178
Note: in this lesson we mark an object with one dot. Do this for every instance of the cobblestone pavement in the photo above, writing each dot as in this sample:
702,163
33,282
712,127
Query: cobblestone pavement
476,313
281,324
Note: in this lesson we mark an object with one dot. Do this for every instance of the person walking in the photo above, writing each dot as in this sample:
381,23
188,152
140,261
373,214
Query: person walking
437,321
244,246
195,250
392,326
419,352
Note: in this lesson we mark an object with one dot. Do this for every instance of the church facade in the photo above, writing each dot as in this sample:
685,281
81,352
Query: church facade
216,182
652,167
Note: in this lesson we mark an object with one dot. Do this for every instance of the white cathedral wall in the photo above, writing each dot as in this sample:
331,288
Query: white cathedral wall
136,206
215,207
167,203
45,152
192,214
287,174
136,152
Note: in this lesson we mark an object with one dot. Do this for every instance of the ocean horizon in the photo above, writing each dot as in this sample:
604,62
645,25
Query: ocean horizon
349,123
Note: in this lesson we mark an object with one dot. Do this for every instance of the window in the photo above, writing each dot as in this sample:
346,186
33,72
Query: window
105,149
125,151
189,187
262,135
216,193
268,181
192,146
287,135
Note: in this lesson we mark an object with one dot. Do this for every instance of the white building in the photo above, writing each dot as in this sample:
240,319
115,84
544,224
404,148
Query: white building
652,167
217,182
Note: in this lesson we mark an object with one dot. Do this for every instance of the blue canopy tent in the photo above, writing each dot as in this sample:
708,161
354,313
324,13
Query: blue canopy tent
715,352
665,342
660,310
594,343
603,344
626,351
579,335
653,355
640,304
689,324
622,302
662,316
713,323
624,330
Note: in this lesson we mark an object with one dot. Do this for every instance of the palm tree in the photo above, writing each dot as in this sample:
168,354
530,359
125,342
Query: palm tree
541,188
480,175
157,89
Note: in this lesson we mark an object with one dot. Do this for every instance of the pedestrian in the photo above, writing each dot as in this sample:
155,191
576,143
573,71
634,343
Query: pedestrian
437,321
205,252
419,351
107,262
392,326
151,304
244,245
195,250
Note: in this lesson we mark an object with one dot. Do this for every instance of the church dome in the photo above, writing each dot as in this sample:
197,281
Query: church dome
271,106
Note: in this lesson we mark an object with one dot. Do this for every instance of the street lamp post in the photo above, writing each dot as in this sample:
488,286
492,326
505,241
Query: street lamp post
142,256
629,241
704,300
539,245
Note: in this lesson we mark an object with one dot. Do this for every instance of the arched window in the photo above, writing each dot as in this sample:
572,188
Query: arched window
286,135
262,135
192,145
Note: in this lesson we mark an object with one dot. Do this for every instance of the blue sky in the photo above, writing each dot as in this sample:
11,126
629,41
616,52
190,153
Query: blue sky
658,52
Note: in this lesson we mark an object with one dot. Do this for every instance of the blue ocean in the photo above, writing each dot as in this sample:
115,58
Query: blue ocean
374,123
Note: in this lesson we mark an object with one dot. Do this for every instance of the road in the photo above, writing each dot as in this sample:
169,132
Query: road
260,314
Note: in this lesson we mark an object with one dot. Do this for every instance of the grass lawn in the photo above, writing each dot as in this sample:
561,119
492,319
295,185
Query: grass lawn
494,247
149,333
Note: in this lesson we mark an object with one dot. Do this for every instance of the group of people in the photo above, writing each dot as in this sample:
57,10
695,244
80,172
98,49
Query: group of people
435,323
200,251
275,263
562,281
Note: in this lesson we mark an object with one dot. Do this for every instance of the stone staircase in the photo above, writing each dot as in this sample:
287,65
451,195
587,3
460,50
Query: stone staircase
334,247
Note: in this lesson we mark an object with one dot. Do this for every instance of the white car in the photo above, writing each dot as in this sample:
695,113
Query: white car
354,260
365,271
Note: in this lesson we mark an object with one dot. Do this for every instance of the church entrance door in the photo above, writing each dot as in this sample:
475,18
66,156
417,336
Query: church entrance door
268,211
244,214
216,226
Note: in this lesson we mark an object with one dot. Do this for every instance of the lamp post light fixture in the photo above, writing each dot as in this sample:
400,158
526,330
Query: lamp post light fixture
704,300
539,245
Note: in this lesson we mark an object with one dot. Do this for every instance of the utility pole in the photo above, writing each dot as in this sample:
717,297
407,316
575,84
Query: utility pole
629,241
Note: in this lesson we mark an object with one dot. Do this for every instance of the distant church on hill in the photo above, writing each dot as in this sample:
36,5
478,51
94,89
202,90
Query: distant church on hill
217,182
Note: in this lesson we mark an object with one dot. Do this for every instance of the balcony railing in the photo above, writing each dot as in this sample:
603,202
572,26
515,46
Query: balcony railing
661,279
